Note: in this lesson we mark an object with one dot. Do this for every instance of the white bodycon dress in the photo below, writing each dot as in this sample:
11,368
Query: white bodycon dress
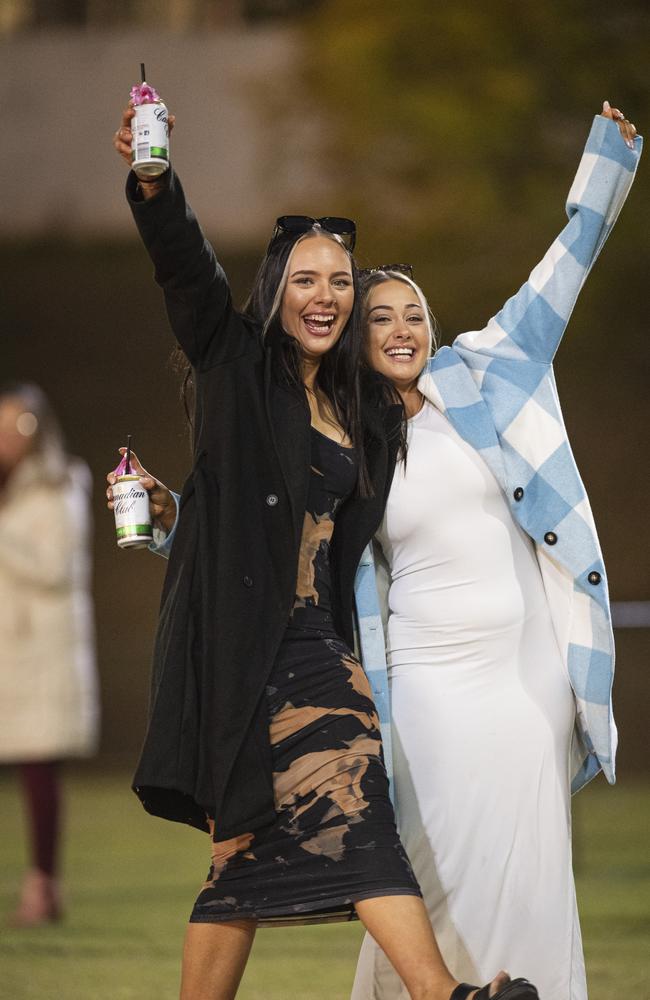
482,717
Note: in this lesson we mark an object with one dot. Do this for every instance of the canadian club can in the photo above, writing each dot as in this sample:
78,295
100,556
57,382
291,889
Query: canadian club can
131,509
150,129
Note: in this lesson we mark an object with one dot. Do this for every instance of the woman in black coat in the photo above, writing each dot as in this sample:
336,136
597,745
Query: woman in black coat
262,727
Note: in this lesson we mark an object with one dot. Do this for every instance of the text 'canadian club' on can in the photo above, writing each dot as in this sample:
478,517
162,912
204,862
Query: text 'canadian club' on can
150,130
131,507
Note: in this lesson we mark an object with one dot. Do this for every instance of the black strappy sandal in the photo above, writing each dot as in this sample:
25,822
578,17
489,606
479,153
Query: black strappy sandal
516,989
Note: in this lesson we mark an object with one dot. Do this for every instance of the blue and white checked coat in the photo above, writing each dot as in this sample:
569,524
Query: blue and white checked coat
497,388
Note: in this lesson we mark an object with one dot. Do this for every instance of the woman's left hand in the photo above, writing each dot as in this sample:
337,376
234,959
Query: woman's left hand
161,502
626,128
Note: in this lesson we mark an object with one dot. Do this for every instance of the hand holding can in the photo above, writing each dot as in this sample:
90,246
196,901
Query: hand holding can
130,506
162,505
150,132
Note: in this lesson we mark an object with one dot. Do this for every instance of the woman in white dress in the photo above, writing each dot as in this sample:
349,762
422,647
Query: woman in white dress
482,703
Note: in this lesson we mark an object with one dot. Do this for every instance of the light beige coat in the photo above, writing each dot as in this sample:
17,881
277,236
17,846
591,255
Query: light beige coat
48,687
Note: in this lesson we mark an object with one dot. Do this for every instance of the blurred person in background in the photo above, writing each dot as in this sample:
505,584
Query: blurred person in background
48,688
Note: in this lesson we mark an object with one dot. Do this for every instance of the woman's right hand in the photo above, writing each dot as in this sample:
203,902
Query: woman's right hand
162,505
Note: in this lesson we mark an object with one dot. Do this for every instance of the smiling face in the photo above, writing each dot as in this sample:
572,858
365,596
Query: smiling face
397,335
319,295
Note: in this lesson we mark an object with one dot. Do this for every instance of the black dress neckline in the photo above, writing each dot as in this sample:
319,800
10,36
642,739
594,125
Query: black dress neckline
337,444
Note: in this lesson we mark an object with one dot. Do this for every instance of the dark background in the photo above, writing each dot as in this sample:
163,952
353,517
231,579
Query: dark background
452,135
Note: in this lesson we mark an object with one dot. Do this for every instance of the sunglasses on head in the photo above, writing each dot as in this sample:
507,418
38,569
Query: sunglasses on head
405,269
294,225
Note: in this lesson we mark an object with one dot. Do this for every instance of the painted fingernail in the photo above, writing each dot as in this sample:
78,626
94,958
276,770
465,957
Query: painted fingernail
606,106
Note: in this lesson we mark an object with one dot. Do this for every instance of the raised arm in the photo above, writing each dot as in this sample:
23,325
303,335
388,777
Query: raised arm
197,294
531,323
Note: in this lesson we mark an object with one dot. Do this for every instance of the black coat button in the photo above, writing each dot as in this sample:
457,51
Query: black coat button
518,494
550,538
594,577
271,499
248,581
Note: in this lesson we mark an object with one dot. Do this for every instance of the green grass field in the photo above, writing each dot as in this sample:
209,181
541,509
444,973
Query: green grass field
131,881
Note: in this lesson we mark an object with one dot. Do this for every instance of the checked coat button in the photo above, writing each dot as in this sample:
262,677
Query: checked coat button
518,494
594,577
272,499
550,538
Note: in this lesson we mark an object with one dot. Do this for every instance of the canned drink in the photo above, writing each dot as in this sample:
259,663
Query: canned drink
132,516
150,143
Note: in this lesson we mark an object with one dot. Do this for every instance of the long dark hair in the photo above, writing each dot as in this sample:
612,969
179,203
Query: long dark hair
338,376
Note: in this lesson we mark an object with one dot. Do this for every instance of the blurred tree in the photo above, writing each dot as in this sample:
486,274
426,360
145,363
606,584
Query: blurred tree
454,128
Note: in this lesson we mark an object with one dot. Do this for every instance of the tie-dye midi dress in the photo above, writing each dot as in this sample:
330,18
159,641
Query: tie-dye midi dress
334,840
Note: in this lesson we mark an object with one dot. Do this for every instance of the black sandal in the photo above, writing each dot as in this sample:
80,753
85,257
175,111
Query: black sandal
516,989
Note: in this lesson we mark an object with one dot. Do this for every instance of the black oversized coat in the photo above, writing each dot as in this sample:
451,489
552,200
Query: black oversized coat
231,577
